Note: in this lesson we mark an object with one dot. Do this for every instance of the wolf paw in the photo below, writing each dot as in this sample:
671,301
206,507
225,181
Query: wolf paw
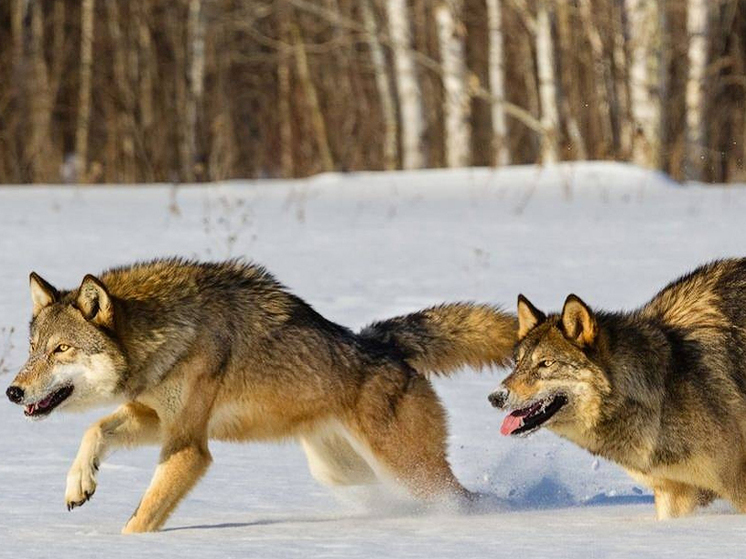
81,483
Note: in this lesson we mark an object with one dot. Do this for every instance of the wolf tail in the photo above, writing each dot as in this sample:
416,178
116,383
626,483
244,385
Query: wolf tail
441,339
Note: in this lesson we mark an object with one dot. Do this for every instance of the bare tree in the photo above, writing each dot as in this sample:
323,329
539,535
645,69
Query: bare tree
644,80
144,96
496,68
196,46
84,89
40,147
408,90
456,104
386,96
571,87
284,55
195,90
697,16
312,101
621,81
547,83
124,125
601,67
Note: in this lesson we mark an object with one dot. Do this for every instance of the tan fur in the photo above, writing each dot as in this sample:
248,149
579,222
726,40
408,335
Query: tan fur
476,339
578,322
660,390
691,304
528,317
222,351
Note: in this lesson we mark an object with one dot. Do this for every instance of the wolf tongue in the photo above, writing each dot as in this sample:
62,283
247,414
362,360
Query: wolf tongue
510,424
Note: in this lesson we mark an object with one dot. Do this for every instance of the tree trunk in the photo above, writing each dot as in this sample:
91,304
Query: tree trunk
312,100
123,166
496,68
697,15
283,92
547,84
571,96
140,19
644,77
456,102
621,84
84,91
196,46
602,78
386,96
40,153
408,91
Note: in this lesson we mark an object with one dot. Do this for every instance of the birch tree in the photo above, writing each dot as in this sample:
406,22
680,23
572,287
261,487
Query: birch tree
283,92
496,68
408,91
456,103
644,81
621,82
547,83
196,46
695,133
386,96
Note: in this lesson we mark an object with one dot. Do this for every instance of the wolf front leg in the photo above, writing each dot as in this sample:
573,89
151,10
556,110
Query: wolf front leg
131,425
184,457
178,472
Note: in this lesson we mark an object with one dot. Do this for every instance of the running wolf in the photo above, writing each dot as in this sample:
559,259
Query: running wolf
197,351
660,390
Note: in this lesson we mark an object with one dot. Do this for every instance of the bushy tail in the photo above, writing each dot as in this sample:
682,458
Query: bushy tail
444,338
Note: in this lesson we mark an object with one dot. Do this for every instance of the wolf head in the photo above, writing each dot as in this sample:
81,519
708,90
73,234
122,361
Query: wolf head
73,360
558,381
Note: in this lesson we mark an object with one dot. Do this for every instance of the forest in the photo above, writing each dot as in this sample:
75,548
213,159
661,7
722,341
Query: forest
201,90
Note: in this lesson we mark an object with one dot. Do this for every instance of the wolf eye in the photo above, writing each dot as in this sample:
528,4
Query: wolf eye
62,348
546,363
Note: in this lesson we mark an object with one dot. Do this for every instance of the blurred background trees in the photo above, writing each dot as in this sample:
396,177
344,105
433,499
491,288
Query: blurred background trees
192,90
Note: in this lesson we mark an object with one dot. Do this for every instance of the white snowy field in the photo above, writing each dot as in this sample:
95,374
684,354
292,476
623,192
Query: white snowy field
361,247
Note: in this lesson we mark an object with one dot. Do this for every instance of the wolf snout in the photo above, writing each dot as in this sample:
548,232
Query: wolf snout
498,398
14,394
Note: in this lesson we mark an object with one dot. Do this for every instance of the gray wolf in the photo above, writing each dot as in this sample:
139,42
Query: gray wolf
660,390
198,351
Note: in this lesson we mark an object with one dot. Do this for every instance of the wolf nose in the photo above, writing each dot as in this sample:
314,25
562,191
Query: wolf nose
498,398
14,394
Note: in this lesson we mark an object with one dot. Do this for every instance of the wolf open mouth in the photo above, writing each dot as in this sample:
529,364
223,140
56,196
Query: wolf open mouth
530,418
46,405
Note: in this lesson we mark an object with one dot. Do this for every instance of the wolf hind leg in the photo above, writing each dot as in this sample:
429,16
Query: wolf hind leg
735,485
334,462
674,499
400,426
132,424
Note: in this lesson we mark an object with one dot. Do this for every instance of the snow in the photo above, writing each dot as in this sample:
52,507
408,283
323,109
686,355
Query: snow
361,247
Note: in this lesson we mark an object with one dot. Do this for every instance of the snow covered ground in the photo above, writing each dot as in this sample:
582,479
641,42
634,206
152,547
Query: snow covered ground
360,247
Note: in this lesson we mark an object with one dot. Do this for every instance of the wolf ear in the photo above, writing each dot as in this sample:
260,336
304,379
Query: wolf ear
42,293
578,321
95,303
528,317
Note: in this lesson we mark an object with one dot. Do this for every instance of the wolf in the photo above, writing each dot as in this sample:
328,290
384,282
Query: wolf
660,390
195,351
